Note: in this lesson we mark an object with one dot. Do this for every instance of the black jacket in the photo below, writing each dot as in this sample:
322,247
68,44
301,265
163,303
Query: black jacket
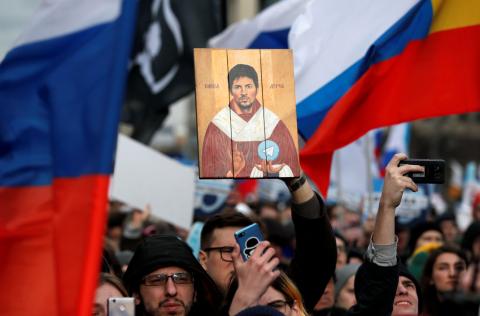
316,254
375,289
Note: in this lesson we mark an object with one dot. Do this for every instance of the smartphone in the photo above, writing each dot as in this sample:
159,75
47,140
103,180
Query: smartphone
121,306
248,239
434,170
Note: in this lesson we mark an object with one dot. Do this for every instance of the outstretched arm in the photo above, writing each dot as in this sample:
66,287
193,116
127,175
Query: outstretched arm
316,253
376,280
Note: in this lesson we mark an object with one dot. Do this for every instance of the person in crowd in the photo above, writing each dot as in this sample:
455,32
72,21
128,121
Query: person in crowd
355,256
313,234
324,305
448,225
423,233
166,279
442,276
108,286
344,287
341,250
258,282
217,243
402,231
471,241
383,286
416,262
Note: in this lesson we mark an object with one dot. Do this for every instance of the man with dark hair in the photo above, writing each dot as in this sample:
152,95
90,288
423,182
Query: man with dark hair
166,279
231,143
310,271
217,242
242,70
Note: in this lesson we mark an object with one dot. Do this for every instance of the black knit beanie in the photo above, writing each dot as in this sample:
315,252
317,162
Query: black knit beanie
159,251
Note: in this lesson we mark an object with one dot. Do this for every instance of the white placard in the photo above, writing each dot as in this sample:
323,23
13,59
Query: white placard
144,176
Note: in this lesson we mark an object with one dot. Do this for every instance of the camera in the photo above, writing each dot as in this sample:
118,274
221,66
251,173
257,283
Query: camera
434,170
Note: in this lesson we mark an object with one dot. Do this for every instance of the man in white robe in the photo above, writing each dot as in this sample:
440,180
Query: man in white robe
231,144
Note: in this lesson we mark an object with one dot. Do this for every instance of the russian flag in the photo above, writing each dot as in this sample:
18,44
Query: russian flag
366,64
361,65
269,29
61,91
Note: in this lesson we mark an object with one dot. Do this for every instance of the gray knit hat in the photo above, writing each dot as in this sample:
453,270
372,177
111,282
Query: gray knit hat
343,275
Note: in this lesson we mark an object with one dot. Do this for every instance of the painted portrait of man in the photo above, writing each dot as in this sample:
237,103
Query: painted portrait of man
245,139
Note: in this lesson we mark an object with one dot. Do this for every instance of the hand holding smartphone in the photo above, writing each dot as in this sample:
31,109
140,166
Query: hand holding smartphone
121,306
248,238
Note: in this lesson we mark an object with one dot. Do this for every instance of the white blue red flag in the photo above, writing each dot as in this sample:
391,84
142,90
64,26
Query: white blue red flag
61,91
360,65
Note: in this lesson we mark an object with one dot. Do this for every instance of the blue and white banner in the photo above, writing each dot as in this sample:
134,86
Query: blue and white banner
269,29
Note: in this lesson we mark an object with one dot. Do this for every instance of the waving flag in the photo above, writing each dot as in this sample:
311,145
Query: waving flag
61,90
162,62
269,29
396,140
366,64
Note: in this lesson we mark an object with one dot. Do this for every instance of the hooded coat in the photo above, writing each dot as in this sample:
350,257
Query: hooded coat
160,251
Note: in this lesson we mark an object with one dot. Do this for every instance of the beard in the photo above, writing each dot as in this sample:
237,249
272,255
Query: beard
245,106
157,310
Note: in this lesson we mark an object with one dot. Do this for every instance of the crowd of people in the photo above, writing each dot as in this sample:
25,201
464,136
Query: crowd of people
309,264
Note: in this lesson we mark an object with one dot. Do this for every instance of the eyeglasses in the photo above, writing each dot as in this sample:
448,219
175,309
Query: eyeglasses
225,252
280,305
161,279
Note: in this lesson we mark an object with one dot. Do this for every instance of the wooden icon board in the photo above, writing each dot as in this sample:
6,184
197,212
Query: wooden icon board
246,118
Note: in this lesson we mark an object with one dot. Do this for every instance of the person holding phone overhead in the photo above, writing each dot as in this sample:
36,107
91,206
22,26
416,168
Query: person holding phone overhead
311,268
383,285
232,140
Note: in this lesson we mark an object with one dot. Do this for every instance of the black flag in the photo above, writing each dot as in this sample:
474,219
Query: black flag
162,57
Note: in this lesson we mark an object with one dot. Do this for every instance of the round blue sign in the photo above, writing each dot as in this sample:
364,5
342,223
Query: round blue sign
268,150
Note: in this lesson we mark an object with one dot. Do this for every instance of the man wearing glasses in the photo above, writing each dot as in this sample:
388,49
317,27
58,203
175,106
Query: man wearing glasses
315,256
166,279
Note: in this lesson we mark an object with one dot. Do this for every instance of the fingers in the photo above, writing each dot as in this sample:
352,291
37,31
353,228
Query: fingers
396,159
237,259
411,168
408,183
264,255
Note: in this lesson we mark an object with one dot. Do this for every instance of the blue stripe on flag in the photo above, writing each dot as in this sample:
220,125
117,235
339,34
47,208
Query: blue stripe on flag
414,25
56,95
272,39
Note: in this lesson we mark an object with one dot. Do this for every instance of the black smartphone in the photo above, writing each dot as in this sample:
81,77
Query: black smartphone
248,239
434,170
121,306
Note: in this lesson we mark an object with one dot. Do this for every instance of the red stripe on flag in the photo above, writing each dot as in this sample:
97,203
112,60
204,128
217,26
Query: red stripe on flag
437,76
51,239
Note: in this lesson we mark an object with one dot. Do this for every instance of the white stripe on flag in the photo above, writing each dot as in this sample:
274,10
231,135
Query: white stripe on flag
59,17
276,17
331,35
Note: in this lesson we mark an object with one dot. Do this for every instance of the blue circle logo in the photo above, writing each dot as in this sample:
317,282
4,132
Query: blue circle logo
268,150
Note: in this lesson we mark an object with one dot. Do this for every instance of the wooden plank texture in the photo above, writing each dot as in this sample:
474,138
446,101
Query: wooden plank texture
246,117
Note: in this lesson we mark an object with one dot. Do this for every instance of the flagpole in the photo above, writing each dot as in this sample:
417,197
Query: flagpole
369,173
338,174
